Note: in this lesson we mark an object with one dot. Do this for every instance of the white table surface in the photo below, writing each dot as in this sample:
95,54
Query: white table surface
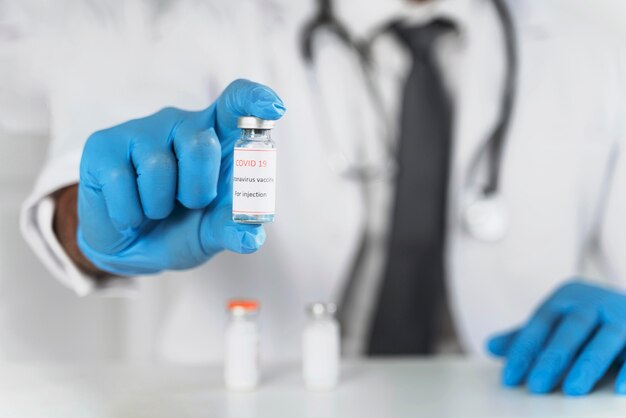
442,387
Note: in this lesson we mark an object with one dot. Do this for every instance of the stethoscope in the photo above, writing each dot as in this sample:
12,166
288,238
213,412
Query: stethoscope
485,216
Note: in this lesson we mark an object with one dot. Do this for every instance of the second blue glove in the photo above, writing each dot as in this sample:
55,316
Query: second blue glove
573,337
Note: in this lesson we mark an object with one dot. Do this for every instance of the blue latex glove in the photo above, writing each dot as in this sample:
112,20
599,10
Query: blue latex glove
155,193
574,337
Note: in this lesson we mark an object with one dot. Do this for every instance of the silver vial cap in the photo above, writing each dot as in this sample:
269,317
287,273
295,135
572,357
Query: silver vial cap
321,310
251,122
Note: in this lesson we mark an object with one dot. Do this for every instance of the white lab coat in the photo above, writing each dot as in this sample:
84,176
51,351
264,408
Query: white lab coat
563,174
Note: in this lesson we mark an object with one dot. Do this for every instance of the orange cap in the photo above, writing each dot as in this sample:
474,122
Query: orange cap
249,305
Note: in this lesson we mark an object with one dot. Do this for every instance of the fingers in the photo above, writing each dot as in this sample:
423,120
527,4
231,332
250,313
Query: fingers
187,170
564,343
245,98
594,360
199,156
119,189
218,232
155,165
499,345
527,345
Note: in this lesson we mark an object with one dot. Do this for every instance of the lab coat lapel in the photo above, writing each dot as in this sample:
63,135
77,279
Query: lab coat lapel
471,264
481,80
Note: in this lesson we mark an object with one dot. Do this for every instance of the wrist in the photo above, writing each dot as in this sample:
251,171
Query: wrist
65,225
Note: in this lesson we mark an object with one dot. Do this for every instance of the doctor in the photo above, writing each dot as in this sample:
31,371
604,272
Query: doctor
382,190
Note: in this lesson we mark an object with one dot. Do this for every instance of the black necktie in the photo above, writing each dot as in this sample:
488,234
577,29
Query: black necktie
413,284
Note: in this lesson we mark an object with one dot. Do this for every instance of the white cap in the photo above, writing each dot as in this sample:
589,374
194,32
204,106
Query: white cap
251,122
321,309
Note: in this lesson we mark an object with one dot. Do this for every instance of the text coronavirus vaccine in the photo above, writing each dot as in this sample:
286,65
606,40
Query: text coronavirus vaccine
254,172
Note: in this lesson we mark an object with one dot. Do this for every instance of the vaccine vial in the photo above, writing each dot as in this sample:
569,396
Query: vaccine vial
254,172
321,347
241,354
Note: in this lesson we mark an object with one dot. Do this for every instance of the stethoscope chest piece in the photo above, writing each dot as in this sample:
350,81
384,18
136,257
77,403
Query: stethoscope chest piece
486,219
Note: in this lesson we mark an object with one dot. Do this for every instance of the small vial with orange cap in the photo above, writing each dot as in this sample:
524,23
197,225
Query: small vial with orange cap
241,354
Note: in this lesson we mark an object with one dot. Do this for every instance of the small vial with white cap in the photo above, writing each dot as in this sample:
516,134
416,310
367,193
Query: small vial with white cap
254,172
321,347
241,354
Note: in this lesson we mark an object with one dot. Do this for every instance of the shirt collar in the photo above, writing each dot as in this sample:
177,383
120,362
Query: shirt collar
363,22
456,11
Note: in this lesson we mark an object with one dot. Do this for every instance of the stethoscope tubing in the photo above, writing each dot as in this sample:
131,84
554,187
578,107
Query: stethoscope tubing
487,202
486,218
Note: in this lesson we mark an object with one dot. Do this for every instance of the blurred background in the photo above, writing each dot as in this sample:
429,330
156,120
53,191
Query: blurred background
35,310
602,12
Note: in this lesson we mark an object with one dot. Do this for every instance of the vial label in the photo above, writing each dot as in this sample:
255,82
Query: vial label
254,181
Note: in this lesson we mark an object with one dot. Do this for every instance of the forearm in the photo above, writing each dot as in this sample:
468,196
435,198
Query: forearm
65,224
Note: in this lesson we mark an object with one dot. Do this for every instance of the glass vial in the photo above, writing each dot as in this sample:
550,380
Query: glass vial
321,347
241,351
254,172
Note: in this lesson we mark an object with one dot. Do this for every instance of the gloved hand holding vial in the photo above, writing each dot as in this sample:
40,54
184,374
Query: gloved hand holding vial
155,193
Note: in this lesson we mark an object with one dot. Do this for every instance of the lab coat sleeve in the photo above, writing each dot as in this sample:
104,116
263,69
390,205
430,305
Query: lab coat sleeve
612,230
104,68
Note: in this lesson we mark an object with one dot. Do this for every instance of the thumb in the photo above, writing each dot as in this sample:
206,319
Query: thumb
218,232
245,98
499,344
